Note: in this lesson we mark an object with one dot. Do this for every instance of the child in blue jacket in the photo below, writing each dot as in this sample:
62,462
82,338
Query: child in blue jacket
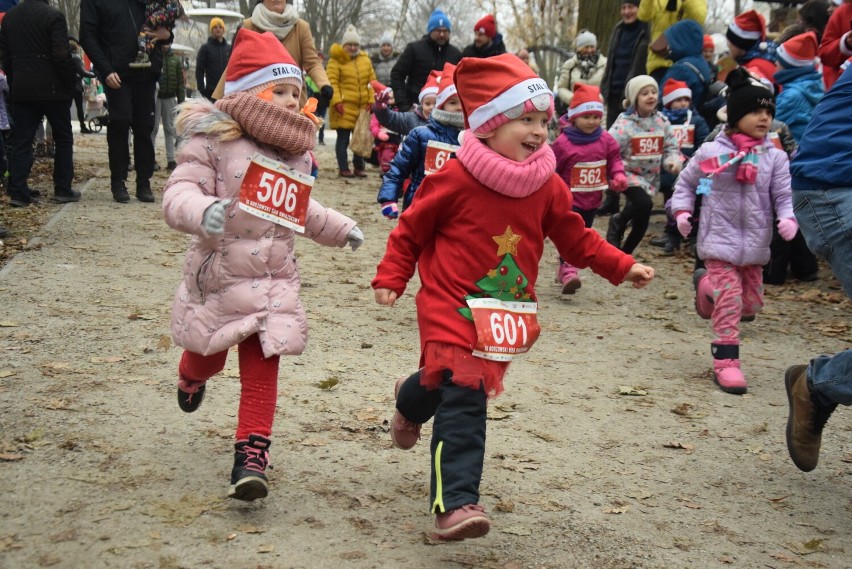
801,84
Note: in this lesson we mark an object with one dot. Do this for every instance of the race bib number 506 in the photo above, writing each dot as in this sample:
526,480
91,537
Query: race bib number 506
273,191
503,329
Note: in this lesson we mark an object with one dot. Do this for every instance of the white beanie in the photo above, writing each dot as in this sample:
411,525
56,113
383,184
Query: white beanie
585,39
631,90
387,38
351,35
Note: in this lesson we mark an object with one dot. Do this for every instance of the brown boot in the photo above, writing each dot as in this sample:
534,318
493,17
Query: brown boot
806,420
346,174
360,174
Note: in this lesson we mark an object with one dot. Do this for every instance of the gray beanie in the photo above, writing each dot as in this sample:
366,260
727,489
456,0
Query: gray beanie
584,39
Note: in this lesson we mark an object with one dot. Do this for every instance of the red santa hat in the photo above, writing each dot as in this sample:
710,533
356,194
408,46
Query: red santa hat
446,86
798,51
708,42
746,30
497,89
674,90
586,101
259,60
431,86
486,25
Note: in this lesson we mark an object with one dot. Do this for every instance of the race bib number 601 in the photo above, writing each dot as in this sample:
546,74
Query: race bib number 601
273,191
437,154
503,329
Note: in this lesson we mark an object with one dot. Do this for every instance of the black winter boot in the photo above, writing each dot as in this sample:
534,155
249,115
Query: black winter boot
611,203
248,478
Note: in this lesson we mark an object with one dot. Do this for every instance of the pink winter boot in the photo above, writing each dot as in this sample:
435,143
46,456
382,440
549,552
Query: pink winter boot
567,276
703,294
726,368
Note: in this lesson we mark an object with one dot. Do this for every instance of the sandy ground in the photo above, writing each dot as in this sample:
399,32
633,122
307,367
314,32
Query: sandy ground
611,448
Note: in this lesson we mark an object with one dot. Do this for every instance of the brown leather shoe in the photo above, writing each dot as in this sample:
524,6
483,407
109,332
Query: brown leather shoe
346,174
806,419
360,174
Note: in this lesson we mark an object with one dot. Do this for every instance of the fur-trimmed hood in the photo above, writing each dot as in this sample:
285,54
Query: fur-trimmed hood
199,116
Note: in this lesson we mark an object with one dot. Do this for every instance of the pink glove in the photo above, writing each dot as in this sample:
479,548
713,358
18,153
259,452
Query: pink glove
684,223
618,183
787,228
338,108
382,99
383,136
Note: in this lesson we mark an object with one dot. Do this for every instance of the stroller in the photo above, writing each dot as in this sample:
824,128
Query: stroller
97,122
97,113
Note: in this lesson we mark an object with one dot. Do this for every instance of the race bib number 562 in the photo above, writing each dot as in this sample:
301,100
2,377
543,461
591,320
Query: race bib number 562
273,191
503,329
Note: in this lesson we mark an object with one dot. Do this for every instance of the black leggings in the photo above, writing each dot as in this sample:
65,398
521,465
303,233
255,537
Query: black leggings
638,210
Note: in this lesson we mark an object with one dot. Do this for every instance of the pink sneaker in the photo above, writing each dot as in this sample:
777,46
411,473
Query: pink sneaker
703,294
729,376
403,432
566,275
466,522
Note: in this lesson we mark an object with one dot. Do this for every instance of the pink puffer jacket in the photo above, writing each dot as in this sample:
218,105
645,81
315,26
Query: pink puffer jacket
246,280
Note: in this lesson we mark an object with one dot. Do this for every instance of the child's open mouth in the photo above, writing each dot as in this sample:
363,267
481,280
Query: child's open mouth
530,147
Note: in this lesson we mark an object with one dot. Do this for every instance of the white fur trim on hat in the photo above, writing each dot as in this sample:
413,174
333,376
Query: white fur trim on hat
589,107
444,95
512,97
426,92
791,59
268,74
677,94
746,34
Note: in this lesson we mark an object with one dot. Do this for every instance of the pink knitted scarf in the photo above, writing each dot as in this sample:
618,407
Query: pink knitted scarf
503,175
269,123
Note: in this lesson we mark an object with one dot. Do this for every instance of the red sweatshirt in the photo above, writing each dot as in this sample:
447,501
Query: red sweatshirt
832,51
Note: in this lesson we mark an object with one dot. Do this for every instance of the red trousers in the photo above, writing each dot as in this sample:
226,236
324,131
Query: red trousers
258,383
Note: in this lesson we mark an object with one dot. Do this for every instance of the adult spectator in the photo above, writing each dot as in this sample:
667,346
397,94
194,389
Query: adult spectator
812,16
661,14
486,40
820,177
108,33
385,59
524,55
586,66
836,45
421,57
350,73
36,56
170,94
628,52
212,59
80,73
294,33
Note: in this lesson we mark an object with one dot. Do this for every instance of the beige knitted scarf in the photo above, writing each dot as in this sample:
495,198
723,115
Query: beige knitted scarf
269,123
279,24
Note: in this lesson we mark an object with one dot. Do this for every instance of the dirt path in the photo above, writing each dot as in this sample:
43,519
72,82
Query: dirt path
99,468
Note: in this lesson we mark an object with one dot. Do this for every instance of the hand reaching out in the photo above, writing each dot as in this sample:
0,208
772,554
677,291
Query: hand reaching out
639,275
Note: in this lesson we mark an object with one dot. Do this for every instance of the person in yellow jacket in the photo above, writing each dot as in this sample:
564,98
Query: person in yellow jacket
661,14
349,71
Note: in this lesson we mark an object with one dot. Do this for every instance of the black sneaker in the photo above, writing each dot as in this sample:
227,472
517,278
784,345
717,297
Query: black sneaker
3,232
171,165
119,193
67,197
248,478
20,201
144,193
615,231
189,402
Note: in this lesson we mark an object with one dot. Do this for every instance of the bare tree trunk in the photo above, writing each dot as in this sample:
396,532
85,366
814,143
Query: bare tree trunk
599,17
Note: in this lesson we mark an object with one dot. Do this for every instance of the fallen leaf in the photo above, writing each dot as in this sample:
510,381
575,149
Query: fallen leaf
806,547
620,510
516,530
627,390
269,548
783,557
164,343
108,359
314,442
328,384
6,373
683,409
9,457
8,324
675,444
779,499
249,529
726,559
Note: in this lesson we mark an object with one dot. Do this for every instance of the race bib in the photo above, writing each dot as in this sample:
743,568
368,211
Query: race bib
503,329
685,135
647,146
776,140
275,192
588,176
437,154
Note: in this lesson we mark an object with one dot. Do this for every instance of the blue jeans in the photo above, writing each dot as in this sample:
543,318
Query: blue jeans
825,218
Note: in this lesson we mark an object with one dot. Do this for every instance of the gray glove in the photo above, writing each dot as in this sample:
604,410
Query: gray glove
355,238
213,220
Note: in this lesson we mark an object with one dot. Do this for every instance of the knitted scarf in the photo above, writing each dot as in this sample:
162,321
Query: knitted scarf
279,24
505,176
748,155
577,136
587,64
269,123
455,119
676,116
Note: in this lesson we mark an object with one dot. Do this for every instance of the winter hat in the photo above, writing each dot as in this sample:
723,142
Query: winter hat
746,30
798,51
745,95
674,90
431,86
387,39
497,89
486,25
216,22
446,87
586,101
634,2
585,39
351,35
258,60
708,42
438,20
634,86
845,65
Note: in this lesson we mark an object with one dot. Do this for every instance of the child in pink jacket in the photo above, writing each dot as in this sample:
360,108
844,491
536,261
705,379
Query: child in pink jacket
241,157
588,159
386,141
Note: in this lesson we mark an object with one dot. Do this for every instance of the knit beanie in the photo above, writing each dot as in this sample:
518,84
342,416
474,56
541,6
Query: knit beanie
258,61
634,86
438,20
798,51
431,86
634,2
674,90
446,87
387,39
497,89
746,30
708,42
216,22
585,39
351,35
486,25
586,101
746,95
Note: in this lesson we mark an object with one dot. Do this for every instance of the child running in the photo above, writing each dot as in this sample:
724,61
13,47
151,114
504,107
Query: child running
403,123
587,157
745,184
240,280
476,235
647,141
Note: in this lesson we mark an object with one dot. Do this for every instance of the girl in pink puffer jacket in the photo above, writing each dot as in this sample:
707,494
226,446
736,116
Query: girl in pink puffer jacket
240,189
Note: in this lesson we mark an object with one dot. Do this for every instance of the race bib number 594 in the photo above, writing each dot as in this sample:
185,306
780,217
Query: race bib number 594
647,146
503,329
273,191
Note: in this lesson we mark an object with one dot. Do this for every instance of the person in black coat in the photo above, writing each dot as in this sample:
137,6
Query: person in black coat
108,33
36,56
212,59
79,74
486,41
420,57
